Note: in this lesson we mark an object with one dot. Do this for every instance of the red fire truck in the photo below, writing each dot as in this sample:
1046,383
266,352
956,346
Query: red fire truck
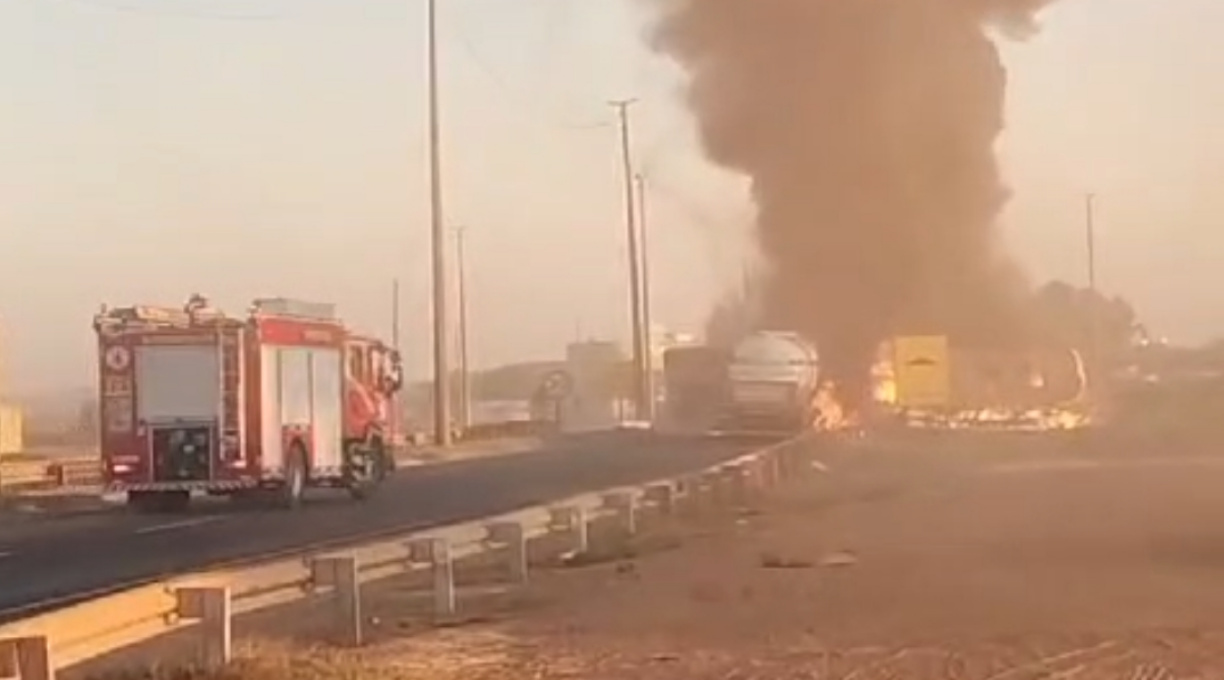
263,406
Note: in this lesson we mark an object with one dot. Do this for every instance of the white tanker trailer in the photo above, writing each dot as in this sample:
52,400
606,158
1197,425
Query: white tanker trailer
773,384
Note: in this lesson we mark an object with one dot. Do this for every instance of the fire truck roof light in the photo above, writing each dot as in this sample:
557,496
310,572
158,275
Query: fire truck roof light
300,309
151,316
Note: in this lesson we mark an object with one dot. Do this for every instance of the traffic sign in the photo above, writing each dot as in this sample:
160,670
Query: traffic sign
557,385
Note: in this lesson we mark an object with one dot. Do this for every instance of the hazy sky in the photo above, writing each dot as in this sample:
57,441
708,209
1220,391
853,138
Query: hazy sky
239,148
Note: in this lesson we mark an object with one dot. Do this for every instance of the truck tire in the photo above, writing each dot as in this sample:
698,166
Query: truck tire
363,488
294,488
385,458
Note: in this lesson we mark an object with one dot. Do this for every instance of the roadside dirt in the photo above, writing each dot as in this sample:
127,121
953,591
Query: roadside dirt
896,564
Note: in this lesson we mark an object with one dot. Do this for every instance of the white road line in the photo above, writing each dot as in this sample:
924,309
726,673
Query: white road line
4,554
182,524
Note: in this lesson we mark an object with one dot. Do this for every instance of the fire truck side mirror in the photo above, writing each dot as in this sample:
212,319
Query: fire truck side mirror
393,380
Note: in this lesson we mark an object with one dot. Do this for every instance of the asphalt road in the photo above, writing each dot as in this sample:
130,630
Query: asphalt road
51,563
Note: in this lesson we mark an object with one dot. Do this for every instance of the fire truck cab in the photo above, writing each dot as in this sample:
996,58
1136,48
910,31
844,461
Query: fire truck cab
263,406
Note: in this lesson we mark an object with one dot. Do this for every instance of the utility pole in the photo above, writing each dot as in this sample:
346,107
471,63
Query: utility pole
441,345
641,397
397,412
1096,363
647,320
465,374
1090,238
395,315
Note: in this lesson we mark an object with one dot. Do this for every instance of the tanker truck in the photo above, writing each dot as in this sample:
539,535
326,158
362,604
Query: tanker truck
773,384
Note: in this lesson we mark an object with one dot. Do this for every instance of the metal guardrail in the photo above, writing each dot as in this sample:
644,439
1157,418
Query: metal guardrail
36,647
36,475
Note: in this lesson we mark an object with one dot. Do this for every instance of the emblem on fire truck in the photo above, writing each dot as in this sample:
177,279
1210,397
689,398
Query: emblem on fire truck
117,358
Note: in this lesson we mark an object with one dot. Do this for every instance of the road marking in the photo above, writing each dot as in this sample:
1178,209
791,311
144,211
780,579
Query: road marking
4,554
182,524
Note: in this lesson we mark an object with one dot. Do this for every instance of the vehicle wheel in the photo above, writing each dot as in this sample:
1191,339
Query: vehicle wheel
363,487
384,461
388,458
295,478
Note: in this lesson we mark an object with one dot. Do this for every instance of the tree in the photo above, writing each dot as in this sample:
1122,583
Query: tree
1065,315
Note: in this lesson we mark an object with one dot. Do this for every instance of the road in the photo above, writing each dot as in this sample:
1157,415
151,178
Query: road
55,562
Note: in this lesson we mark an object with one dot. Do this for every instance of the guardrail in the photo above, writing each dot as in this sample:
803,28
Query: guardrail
37,475
204,604
86,470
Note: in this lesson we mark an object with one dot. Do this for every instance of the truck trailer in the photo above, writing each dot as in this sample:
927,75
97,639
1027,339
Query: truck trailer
774,385
263,406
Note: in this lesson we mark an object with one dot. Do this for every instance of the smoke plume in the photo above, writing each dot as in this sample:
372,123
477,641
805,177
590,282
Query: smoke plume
867,128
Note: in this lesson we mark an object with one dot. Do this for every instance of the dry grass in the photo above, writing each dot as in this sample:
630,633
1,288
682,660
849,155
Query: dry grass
484,654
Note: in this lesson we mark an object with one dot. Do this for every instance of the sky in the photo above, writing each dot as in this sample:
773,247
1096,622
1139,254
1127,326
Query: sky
150,149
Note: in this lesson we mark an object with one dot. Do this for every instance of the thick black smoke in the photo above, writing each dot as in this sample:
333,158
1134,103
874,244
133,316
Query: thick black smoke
868,129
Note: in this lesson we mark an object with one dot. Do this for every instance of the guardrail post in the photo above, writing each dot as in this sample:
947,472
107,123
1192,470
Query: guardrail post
574,520
690,494
625,505
512,537
210,607
712,488
794,461
340,574
783,462
26,658
767,468
732,481
663,496
437,553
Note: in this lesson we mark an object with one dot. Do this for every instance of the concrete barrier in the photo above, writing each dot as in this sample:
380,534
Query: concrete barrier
205,603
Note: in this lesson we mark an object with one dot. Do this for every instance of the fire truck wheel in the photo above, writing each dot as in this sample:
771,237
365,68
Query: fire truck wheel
295,478
384,460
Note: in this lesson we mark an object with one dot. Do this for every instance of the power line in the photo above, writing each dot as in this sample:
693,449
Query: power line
525,103
161,12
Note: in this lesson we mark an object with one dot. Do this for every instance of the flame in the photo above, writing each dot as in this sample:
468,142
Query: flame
1072,414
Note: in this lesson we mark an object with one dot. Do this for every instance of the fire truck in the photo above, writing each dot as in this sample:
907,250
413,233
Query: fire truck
260,407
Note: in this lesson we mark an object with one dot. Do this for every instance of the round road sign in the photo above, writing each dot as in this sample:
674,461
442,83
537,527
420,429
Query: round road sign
557,385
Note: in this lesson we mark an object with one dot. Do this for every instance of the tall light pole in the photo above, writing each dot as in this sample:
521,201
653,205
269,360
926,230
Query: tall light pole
395,315
465,374
647,321
1090,238
641,397
397,413
1094,322
441,345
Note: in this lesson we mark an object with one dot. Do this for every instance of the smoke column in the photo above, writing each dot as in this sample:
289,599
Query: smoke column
867,128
